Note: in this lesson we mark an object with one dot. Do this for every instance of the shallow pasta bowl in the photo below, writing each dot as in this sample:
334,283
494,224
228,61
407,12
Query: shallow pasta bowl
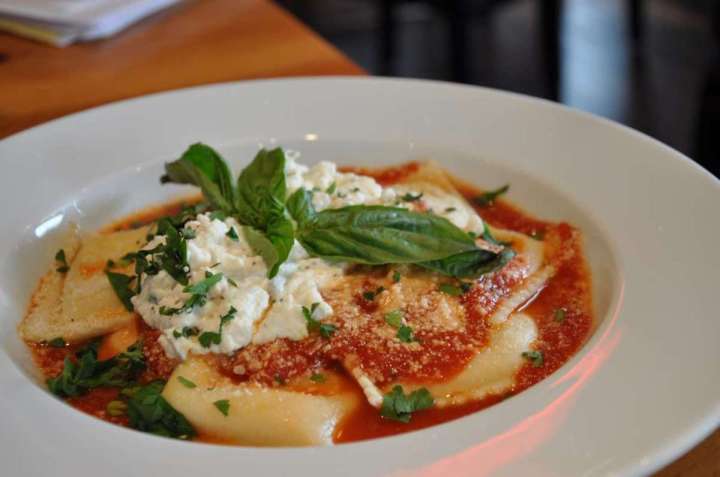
641,391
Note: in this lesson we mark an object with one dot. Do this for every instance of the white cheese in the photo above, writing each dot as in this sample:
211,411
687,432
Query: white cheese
265,309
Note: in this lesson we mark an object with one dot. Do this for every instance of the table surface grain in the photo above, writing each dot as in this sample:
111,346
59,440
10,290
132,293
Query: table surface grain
196,42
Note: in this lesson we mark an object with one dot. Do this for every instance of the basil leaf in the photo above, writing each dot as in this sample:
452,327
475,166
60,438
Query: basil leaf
121,285
261,245
150,412
202,166
300,207
261,188
280,232
261,204
186,382
377,235
470,264
398,406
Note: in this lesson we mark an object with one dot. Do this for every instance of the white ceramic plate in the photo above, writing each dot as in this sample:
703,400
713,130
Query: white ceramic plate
641,391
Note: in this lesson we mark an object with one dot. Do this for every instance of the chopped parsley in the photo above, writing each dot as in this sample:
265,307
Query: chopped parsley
398,406
331,189
409,197
232,234
404,333
198,294
63,266
186,332
559,315
186,382
279,379
223,405
209,338
116,408
396,276
489,198
148,411
218,215
451,209
121,285
536,357
58,342
370,295
318,378
451,290
86,372
394,318
326,330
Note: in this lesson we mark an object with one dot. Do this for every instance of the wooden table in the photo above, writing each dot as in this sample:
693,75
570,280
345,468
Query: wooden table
198,42
194,43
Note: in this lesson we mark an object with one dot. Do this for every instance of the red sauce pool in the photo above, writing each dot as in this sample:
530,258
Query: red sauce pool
561,334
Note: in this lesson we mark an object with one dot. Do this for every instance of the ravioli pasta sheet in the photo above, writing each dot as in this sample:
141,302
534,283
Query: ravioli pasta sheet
80,304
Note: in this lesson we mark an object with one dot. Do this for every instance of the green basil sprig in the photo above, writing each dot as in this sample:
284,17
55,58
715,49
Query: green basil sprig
359,234
378,235
258,200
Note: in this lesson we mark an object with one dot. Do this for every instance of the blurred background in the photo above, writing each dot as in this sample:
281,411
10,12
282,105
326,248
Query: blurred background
651,64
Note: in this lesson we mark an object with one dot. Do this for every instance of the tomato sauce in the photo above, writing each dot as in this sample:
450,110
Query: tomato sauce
562,312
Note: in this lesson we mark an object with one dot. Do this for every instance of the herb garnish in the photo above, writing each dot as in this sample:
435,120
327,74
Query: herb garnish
116,408
359,234
449,289
186,332
398,406
326,330
223,405
559,315
198,294
232,234
186,382
209,338
58,342
370,295
536,357
405,334
331,189
63,266
121,285
395,319
150,412
489,198
86,372
317,378
409,197
396,276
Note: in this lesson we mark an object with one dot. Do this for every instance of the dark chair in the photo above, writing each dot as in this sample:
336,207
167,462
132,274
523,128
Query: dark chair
457,14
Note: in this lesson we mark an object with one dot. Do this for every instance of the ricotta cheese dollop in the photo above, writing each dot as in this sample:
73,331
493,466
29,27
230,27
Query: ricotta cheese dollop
264,309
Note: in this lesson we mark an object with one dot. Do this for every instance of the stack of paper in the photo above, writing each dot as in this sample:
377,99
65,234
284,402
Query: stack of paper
61,22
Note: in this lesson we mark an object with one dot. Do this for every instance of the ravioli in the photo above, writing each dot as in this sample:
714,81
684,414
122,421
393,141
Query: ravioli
81,304
257,415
